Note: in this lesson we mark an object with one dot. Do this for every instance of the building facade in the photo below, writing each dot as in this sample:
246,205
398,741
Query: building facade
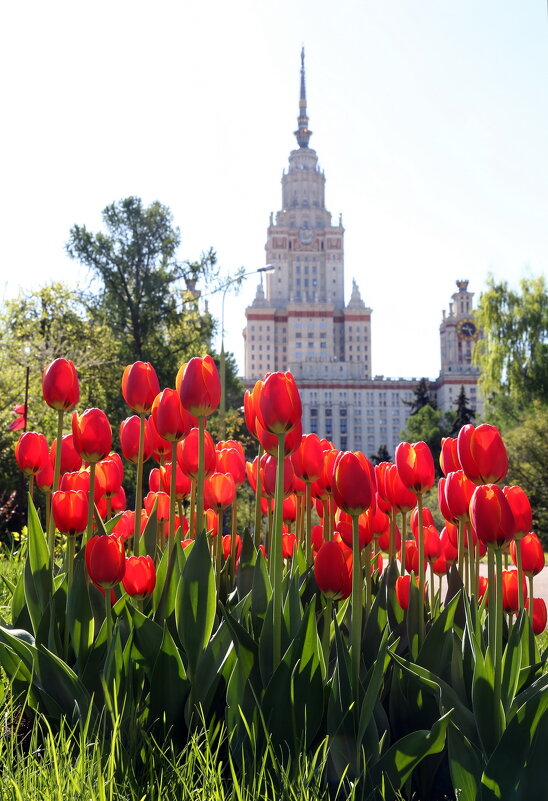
302,323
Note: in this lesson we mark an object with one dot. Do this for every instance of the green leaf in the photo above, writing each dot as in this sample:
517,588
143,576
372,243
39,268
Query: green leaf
445,694
196,603
169,685
483,702
38,582
373,684
20,617
214,665
532,780
436,650
465,764
511,755
261,593
79,613
246,567
399,762
511,663
341,717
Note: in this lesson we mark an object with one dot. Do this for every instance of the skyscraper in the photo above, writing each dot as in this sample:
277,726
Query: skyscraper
302,322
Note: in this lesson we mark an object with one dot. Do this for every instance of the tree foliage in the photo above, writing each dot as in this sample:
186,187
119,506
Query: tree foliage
464,413
145,292
429,425
422,397
513,351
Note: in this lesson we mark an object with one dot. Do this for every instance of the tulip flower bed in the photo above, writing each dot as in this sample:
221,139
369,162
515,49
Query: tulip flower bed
286,632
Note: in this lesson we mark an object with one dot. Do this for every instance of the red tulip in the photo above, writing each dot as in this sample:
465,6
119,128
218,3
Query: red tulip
187,454
171,419
427,519
231,460
458,494
403,588
183,484
125,525
449,457
449,549
399,496
289,541
250,415
92,434
415,465
105,560
219,491
70,458
289,509
510,590
383,539
118,501
31,452
440,566
482,453
270,466
412,557
539,614
70,511
332,573
270,441
211,522
432,543
129,439
79,480
352,483
199,386
110,472
140,386
491,515
483,587
521,510
139,577
227,546
60,385
161,448
279,403
161,499
532,554
316,535
44,477
308,458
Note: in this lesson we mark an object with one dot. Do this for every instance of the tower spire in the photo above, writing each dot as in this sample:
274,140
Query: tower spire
303,133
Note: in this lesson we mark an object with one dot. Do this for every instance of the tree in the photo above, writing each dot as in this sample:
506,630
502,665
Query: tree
147,295
527,446
429,425
382,455
464,414
36,328
423,397
513,350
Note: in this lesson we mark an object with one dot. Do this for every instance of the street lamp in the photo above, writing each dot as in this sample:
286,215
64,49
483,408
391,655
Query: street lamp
222,406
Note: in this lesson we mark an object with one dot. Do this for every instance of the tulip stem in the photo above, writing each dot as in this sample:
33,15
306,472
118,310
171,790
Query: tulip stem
172,493
368,593
258,496
108,615
308,527
139,487
233,530
421,568
531,599
276,554
491,600
461,548
356,622
326,633
521,599
69,567
498,644
91,501
403,540
200,479
192,520
55,487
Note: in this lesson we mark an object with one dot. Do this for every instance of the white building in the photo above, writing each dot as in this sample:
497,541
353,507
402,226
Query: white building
303,324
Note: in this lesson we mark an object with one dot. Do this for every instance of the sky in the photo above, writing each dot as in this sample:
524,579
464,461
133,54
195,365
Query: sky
429,118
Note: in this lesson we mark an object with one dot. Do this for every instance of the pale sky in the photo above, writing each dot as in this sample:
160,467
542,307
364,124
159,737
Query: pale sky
429,117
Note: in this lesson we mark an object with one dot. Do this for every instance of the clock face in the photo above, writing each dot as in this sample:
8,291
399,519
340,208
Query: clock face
305,234
467,330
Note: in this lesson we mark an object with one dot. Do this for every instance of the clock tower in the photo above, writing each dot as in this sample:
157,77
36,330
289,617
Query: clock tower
458,334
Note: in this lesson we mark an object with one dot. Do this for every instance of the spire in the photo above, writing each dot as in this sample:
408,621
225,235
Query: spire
302,133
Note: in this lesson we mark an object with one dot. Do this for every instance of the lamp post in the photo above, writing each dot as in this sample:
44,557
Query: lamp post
222,406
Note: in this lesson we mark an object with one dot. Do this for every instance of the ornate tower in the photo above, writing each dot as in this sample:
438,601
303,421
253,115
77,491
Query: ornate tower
458,333
302,320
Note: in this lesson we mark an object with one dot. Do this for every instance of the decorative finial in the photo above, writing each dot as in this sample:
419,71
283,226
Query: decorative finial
302,133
